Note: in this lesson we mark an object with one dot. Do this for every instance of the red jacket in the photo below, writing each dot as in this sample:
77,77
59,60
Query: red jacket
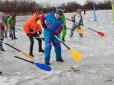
32,24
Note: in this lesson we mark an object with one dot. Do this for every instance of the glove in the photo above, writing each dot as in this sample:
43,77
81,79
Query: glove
30,30
40,33
44,26
29,34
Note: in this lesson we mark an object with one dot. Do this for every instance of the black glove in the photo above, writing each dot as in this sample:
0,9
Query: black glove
40,33
30,30
29,34
44,25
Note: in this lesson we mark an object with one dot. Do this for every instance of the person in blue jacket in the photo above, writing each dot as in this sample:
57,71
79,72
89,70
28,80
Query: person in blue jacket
53,24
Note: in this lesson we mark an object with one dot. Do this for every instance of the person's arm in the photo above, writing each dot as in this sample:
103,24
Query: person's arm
58,31
43,18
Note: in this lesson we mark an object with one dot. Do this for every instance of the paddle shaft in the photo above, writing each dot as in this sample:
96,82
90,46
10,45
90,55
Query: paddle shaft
83,26
63,43
24,59
11,46
59,40
92,29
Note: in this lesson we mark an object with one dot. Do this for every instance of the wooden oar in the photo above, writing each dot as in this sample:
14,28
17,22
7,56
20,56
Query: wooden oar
22,52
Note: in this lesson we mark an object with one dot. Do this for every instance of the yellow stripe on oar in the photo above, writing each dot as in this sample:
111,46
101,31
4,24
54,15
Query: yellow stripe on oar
75,55
27,55
81,31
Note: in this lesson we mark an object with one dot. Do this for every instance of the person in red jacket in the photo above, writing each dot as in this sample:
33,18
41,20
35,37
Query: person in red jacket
31,28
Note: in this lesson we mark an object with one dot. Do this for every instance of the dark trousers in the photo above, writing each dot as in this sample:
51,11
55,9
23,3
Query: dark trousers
12,33
31,38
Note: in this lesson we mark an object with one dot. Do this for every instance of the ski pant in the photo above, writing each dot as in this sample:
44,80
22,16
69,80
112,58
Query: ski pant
1,36
49,40
31,38
6,30
63,33
73,29
12,33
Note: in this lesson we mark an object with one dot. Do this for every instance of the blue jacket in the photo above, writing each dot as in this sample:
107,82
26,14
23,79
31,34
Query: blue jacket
52,23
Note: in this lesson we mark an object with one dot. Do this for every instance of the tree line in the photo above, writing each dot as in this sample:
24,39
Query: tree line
24,7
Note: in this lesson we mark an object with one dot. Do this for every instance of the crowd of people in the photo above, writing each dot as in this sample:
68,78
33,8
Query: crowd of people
53,23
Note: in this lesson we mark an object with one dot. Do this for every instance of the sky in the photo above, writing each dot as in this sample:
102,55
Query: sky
56,2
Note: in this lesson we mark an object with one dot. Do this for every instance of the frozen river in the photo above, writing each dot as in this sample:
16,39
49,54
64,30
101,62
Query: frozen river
96,67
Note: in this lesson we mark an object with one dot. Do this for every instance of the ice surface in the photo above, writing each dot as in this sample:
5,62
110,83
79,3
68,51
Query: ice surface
96,67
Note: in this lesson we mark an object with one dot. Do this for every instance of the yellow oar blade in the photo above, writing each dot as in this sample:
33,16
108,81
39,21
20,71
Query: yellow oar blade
27,55
81,31
75,55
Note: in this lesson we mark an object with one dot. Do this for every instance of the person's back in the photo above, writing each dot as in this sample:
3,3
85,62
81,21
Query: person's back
11,21
53,23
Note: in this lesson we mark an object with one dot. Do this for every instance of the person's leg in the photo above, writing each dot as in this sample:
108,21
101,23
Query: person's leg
6,30
64,31
57,47
10,32
12,36
72,30
1,39
14,33
1,45
39,43
48,47
31,45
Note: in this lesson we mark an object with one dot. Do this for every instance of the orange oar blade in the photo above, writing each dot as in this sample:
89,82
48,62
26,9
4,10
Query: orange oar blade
75,55
101,34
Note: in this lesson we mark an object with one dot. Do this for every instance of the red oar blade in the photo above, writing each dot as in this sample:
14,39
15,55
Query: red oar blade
101,34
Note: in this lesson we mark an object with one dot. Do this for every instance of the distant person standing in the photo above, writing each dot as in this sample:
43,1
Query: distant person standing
77,22
84,11
11,23
2,15
6,25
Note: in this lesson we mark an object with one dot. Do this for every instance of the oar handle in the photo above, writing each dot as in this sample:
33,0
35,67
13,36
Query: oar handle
24,59
62,42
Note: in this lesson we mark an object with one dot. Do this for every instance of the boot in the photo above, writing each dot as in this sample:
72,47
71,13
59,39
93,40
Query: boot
41,50
59,60
31,54
63,39
2,49
81,35
47,63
